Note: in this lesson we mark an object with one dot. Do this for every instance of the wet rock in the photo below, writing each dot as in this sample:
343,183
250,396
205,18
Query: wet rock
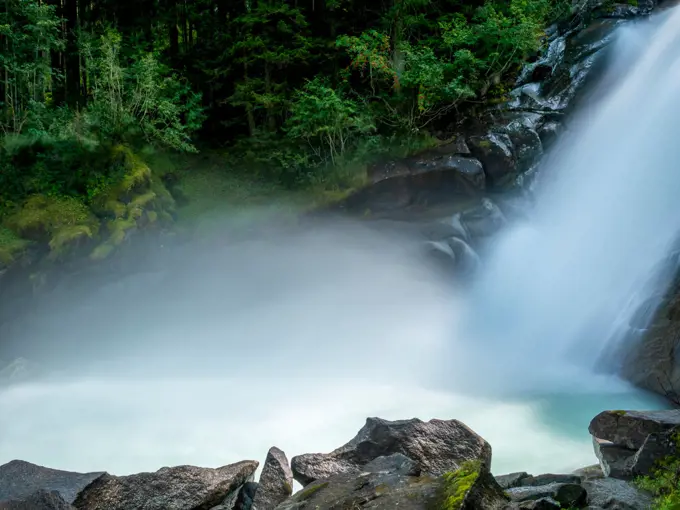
528,148
511,480
549,132
436,446
19,480
175,488
495,151
629,443
484,220
276,481
616,494
40,500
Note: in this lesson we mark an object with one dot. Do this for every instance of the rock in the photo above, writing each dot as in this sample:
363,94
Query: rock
593,472
495,151
396,464
511,480
616,494
528,148
436,447
484,220
537,481
175,488
244,500
566,494
20,480
276,481
40,500
464,489
629,443
540,504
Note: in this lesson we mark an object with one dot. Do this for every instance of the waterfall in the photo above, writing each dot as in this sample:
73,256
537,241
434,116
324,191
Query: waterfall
555,293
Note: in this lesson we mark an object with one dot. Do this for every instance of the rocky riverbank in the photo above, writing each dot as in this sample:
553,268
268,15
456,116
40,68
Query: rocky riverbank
408,464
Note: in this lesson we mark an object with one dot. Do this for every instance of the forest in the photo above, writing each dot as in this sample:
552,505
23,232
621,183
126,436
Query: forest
300,92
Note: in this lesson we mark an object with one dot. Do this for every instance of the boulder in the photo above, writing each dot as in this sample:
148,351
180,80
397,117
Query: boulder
467,488
436,446
616,494
568,495
40,500
495,151
175,488
629,443
484,220
511,480
276,481
20,480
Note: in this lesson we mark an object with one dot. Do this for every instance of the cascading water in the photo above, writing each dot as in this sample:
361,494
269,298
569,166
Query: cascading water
556,292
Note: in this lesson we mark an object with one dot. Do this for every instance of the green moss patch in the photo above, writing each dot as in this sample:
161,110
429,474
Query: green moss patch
59,222
11,246
456,485
308,493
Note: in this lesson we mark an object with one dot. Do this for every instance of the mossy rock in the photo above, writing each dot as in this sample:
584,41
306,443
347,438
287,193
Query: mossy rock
139,200
12,247
456,486
58,222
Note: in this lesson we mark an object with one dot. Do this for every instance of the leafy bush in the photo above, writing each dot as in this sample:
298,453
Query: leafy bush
144,99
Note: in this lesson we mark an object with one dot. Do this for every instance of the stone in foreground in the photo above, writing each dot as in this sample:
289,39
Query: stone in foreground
177,488
629,443
465,489
276,481
40,500
19,480
436,447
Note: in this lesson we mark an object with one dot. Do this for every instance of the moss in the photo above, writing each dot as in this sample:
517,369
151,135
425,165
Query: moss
59,222
67,236
137,172
42,215
152,216
11,246
102,251
619,413
456,485
485,144
308,493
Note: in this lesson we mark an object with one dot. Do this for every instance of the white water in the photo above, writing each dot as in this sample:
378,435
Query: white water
559,288
295,341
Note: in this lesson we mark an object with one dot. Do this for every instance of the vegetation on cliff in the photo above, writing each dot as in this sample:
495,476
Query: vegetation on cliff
300,94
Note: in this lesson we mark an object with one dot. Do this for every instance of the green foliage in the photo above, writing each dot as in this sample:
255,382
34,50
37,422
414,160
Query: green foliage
664,484
664,481
29,31
327,121
143,99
